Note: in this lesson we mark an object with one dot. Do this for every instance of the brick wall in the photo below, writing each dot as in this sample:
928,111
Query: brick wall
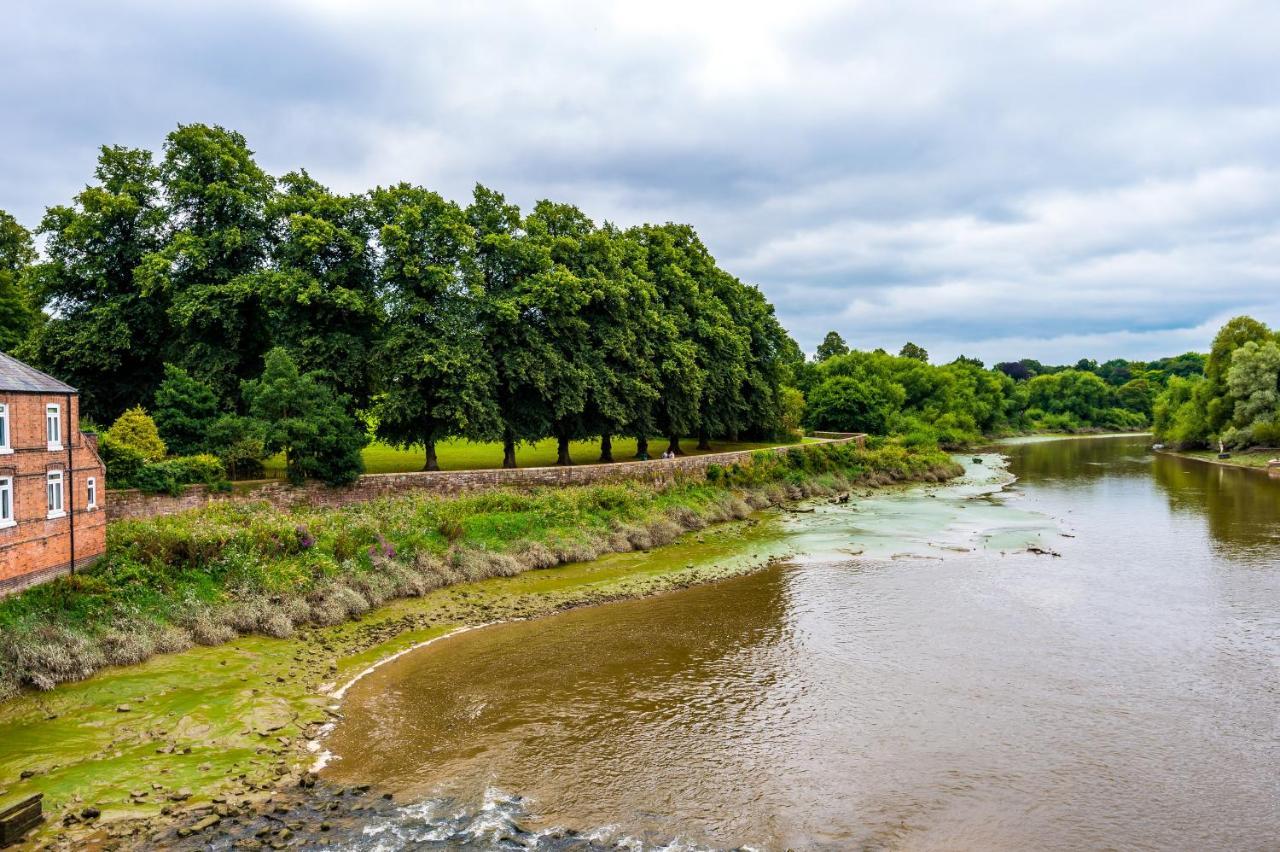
38,547
136,504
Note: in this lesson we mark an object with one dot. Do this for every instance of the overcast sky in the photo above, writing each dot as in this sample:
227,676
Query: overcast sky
1007,179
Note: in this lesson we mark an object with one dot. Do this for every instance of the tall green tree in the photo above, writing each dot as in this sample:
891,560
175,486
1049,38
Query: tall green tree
507,263
831,346
914,351
185,409
18,313
436,376
304,419
106,335
217,198
1238,331
320,288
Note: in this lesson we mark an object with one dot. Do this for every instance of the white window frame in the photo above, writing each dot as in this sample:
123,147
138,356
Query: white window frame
57,508
91,493
6,496
6,434
53,426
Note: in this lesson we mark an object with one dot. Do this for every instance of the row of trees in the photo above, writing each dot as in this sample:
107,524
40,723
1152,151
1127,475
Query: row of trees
440,320
1236,401
959,402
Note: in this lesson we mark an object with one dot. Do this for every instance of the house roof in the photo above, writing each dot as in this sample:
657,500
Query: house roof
17,376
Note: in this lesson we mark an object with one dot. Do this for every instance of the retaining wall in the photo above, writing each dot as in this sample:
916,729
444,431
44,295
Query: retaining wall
131,503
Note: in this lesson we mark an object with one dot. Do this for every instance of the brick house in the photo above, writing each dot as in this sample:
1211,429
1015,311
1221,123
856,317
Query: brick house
52,482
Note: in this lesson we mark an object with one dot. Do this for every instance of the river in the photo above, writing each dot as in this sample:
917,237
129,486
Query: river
912,677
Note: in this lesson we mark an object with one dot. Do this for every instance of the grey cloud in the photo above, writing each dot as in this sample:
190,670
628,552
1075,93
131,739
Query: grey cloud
1008,179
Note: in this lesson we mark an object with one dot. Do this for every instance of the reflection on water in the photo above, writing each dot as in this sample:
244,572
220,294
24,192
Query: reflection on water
1121,696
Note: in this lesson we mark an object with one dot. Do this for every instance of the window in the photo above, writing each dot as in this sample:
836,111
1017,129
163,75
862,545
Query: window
5,445
53,426
6,501
53,489
91,501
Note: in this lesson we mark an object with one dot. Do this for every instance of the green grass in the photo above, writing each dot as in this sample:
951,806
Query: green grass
466,455
1244,459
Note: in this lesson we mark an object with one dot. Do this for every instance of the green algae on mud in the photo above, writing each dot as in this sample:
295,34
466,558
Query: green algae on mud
233,720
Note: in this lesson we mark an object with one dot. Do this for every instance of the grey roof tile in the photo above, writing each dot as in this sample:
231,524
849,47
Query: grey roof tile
17,376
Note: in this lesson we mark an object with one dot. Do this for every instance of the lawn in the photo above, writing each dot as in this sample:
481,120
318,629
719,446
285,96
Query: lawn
465,455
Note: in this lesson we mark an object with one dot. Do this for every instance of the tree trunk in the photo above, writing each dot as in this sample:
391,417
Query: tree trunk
431,464
642,448
673,445
606,448
508,451
562,451
704,440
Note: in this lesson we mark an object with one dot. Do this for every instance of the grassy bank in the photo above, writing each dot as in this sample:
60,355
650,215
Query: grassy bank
1256,460
457,454
206,576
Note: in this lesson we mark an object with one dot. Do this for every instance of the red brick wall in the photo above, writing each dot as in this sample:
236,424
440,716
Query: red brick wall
136,504
39,547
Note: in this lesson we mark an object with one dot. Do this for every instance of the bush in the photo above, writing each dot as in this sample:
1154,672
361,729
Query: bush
122,461
136,431
168,475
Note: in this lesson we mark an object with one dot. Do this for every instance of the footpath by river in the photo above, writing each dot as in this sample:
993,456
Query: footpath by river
1083,658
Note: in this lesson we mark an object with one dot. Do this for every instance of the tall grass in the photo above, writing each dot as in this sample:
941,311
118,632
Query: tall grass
207,575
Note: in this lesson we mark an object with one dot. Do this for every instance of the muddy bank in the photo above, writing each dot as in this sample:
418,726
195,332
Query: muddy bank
138,753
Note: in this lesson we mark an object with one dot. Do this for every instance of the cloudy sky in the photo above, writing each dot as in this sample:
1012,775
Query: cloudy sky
1006,179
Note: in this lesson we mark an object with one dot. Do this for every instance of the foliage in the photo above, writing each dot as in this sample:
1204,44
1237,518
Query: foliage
831,346
135,430
1236,402
240,442
917,353
184,410
106,336
305,420
18,314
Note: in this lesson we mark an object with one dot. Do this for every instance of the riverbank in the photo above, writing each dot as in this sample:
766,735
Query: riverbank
181,730
1246,460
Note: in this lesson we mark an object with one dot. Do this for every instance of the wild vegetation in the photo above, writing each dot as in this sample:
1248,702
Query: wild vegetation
961,402
1236,403
207,575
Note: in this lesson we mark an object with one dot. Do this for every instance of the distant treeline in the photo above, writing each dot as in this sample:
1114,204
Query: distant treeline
959,402
1236,402
438,320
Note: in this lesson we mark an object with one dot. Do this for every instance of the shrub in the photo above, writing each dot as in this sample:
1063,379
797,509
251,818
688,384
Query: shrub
136,430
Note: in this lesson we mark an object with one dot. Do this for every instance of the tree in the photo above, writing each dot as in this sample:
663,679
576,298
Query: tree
136,430
105,336
832,345
866,402
1236,333
1178,414
306,421
18,313
911,350
184,410
240,443
1253,385
437,379
505,262
320,291
1019,371
217,199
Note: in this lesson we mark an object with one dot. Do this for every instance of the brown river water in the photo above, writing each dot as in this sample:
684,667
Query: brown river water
943,688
